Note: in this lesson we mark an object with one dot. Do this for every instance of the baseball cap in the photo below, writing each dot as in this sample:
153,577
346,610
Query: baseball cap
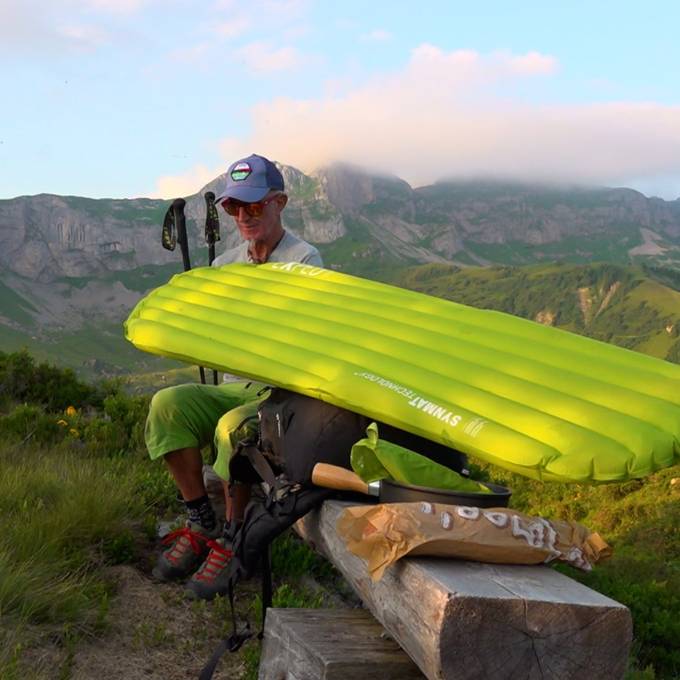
251,179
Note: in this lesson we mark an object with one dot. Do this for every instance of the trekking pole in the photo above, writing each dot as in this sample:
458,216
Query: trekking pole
174,232
212,234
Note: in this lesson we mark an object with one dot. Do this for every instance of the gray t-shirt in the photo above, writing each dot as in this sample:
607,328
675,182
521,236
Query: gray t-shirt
289,249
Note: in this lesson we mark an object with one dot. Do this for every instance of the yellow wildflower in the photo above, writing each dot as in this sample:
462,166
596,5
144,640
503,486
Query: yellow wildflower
74,433
62,422
71,411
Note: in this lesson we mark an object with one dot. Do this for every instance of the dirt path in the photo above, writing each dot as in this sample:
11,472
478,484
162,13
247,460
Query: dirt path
153,632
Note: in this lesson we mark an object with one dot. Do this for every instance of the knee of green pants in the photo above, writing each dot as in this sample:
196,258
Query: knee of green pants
186,415
232,427
168,427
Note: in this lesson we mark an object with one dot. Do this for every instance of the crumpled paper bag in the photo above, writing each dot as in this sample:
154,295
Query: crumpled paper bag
381,534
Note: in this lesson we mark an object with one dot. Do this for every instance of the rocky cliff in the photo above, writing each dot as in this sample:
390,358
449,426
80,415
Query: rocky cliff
65,259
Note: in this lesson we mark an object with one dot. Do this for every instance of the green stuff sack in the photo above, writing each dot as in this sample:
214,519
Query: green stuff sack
373,458
533,399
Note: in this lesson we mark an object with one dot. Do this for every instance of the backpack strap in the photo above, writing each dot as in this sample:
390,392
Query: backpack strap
260,464
234,642
261,525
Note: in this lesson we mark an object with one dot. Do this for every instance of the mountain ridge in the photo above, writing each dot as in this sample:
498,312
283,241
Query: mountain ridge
47,236
71,263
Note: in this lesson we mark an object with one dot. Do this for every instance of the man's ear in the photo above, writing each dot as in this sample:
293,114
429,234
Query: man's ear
282,200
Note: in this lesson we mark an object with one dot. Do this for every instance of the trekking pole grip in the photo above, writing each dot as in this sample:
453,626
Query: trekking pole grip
180,224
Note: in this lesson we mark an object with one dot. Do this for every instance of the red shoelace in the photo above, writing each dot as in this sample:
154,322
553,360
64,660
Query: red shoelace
217,559
193,540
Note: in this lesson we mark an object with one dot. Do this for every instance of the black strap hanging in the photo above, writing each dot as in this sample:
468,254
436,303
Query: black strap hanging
169,233
212,224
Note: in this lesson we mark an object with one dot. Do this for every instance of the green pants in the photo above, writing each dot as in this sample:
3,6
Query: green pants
194,415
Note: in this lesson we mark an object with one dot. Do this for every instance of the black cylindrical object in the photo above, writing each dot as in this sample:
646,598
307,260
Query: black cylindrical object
396,492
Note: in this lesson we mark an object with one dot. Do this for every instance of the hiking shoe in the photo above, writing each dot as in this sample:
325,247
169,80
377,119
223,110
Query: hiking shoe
188,548
211,579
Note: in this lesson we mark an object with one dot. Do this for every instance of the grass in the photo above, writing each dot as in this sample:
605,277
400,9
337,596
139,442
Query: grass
292,562
638,315
640,519
103,345
15,307
571,249
77,493
64,514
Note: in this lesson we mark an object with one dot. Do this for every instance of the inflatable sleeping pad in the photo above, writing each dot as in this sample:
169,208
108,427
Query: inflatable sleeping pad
533,399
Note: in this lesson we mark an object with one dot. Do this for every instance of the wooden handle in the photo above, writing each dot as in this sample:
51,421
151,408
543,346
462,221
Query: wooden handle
334,477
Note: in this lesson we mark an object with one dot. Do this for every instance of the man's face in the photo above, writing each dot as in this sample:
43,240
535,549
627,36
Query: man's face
257,221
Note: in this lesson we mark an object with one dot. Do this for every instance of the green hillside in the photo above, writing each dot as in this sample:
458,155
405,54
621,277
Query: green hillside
99,349
617,304
634,307
14,307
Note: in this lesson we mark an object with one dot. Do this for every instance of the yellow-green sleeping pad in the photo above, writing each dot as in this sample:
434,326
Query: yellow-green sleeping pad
543,402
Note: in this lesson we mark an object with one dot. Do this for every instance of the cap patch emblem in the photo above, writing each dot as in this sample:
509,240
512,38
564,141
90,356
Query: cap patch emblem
240,172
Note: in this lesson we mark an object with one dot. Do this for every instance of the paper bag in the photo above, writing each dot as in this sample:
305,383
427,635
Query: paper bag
381,534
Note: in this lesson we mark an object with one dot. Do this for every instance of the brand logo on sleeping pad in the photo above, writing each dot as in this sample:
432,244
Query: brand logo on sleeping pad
436,411
441,413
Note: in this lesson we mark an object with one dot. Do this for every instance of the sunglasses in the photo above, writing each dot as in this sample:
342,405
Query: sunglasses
232,206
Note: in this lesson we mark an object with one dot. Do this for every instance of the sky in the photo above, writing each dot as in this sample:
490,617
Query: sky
130,98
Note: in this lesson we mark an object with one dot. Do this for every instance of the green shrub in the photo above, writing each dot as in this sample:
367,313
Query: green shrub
639,519
120,549
28,422
128,412
22,380
104,437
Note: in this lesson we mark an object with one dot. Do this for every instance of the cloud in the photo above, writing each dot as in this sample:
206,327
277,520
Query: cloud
262,11
533,62
285,8
39,27
378,35
186,184
233,27
261,57
296,32
84,37
194,55
453,114
283,20
112,6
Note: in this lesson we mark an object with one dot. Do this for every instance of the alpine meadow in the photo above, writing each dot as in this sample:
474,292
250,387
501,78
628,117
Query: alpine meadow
339,340
81,502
